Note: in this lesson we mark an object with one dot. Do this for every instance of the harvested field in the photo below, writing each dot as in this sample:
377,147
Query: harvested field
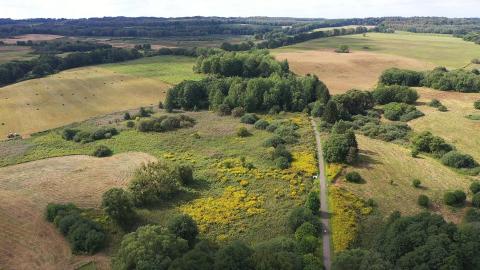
11,53
26,189
344,71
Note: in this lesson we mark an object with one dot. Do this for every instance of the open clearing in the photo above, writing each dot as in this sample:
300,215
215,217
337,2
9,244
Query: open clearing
344,71
388,170
452,125
77,94
32,37
28,241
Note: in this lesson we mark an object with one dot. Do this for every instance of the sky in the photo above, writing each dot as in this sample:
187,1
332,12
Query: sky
237,8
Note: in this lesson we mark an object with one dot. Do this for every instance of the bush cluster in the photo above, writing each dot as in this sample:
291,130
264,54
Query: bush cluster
354,177
281,156
118,205
401,112
428,143
84,136
165,123
157,181
243,132
458,160
102,151
395,76
385,94
454,198
476,104
386,132
249,118
83,234
340,148
423,200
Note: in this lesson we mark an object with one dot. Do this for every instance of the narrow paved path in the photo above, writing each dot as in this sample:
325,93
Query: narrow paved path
324,214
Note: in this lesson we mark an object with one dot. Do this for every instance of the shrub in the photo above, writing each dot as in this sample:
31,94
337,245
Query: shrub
400,111
454,198
331,113
354,177
238,112
472,215
249,118
185,174
416,183
423,200
130,124
397,76
476,104
53,210
154,182
68,134
307,244
142,112
149,247
336,148
243,132
224,109
274,141
304,230
282,163
435,103
442,108
386,132
342,49
313,202
476,200
317,109
127,116
384,94
184,227
261,124
118,205
475,187
281,151
428,143
102,151
458,160
300,215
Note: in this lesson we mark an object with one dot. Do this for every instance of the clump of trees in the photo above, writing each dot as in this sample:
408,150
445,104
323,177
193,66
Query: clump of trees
428,143
157,181
423,237
83,234
84,136
340,147
165,123
401,112
250,64
384,94
118,205
440,78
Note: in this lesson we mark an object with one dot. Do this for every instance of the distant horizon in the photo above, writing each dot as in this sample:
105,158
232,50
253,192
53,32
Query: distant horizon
70,9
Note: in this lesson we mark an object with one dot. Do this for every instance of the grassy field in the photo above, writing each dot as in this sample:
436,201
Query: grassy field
452,125
373,53
77,94
167,69
229,201
388,170
11,53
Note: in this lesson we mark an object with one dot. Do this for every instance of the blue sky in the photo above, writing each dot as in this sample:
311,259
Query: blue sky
290,8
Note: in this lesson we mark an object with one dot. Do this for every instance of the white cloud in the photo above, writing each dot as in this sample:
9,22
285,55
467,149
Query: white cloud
290,8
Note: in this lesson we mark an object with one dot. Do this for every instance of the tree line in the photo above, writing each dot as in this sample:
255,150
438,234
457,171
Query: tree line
15,71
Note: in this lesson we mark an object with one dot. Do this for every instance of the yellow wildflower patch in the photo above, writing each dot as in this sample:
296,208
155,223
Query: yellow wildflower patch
347,209
234,204
333,170
305,162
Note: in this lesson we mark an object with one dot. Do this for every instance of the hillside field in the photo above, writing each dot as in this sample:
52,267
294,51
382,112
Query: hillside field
228,200
373,53
75,95
11,53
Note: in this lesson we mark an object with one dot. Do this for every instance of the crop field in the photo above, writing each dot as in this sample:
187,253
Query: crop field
77,94
10,53
345,71
228,202
453,125
374,52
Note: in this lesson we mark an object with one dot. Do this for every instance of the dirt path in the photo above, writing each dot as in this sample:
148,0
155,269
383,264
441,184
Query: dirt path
325,215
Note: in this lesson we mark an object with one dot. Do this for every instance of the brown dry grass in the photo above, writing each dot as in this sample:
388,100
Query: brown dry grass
28,241
71,96
32,37
344,71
